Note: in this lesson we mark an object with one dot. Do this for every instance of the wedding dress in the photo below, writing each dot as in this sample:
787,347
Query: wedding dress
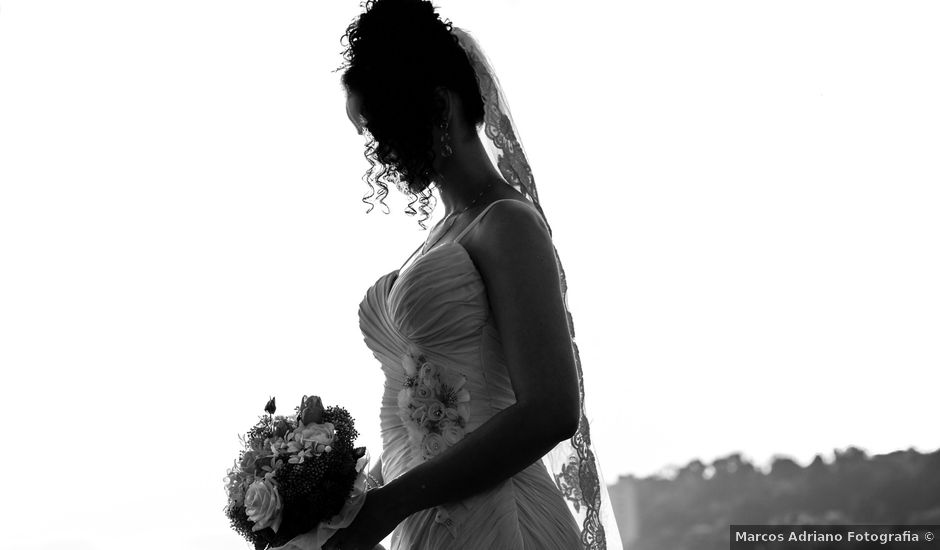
437,307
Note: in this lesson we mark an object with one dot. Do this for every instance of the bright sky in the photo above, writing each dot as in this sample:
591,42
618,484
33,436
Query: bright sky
744,195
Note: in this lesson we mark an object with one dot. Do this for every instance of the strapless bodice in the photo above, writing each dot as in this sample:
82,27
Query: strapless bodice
431,329
437,308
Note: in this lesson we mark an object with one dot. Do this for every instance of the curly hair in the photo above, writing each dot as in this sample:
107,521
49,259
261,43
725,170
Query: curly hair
398,52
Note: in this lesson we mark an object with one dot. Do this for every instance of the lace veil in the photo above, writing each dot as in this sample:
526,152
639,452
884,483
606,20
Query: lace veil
573,463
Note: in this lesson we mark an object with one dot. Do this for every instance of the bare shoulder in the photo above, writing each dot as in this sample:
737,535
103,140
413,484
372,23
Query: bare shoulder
512,250
512,244
509,226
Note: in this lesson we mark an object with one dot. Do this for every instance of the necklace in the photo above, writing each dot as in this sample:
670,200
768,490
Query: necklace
453,218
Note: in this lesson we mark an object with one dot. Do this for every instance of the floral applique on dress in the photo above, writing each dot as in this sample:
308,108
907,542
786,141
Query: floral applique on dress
433,404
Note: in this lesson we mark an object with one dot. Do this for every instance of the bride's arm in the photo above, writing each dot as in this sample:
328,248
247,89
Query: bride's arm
513,251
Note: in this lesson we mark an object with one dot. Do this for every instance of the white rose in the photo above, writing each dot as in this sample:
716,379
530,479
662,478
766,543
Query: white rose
263,504
451,413
432,445
452,433
419,415
436,411
423,392
318,434
428,372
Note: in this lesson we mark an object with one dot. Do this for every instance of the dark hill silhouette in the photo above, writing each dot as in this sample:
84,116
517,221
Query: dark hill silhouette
693,508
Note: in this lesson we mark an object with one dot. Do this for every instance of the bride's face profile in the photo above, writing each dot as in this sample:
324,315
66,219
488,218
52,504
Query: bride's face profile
399,54
353,103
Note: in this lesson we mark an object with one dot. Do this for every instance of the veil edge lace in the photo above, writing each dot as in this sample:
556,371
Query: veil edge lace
573,463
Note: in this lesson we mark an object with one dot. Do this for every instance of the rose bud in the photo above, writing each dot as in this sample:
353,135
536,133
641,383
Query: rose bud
311,410
270,407
281,427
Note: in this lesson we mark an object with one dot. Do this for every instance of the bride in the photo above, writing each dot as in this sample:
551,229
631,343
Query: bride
485,440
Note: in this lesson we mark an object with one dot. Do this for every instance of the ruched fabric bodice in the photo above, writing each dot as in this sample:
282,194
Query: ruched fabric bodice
437,308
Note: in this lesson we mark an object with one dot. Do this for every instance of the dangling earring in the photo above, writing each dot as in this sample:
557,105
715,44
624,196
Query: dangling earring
446,149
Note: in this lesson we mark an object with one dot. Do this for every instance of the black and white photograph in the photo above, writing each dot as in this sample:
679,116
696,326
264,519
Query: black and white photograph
452,275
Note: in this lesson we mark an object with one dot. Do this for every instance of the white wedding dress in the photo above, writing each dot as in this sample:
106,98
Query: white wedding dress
438,305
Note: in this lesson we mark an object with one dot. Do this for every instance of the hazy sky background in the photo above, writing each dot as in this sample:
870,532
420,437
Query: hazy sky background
744,195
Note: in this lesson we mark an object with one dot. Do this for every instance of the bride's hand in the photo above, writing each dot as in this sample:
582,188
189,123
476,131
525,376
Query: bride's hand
375,520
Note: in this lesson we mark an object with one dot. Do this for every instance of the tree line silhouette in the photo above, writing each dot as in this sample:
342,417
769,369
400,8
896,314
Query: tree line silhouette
694,507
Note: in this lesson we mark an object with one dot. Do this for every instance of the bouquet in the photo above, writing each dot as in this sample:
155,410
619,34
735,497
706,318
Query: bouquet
296,476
